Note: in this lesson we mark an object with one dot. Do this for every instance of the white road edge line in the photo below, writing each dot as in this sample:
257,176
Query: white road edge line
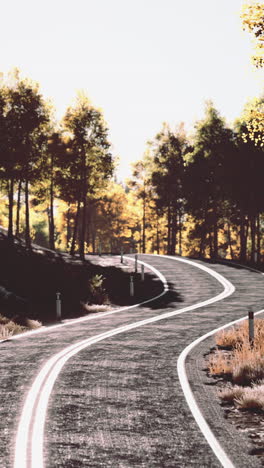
205,429
38,396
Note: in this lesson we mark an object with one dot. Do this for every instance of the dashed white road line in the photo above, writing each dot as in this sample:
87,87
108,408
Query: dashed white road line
29,444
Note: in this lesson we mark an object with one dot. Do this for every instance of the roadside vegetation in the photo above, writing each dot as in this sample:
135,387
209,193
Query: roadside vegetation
241,365
30,279
9,328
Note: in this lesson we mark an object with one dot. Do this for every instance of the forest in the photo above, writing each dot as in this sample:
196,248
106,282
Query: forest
197,194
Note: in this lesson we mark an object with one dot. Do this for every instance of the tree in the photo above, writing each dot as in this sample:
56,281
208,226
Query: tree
141,186
25,116
92,163
167,179
253,21
247,193
206,179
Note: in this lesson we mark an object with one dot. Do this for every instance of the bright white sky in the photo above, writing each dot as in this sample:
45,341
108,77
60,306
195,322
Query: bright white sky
142,61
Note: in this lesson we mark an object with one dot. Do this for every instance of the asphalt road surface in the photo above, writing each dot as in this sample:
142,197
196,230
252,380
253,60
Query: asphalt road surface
113,394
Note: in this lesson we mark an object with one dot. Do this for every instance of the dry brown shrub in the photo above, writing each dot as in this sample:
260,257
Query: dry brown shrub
33,324
249,371
3,319
5,333
14,328
9,328
95,307
245,362
230,394
219,363
229,338
249,398
252,398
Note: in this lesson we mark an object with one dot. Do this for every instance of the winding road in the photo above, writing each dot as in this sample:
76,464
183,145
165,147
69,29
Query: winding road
127,388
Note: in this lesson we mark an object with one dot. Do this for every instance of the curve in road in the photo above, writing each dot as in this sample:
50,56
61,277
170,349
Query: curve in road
29,441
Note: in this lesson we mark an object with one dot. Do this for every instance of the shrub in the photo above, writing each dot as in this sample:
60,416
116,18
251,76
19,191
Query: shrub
244,362
97,290
246,398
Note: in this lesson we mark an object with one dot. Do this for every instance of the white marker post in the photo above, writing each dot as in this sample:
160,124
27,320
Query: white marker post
136,260
251,327
142,273
58,306
131,286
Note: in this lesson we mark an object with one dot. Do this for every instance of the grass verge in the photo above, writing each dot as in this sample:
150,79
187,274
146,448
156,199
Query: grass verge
9,328
241,365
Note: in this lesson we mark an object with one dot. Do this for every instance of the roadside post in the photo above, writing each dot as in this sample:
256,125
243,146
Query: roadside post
136,263
142,273
131,286
122,253
100,250
251,327
58,306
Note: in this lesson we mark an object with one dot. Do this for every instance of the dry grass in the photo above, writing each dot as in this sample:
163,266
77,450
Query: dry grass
230,394
238,335
233,336
95,307
246,398
243,364
9,328
33,324
219,363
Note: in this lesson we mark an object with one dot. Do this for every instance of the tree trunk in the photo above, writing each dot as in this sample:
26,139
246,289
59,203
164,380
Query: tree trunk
83,230
75,230
211,245
144,225
243,249
215,231
93,240
230,241
27,232
258,239
18,207
84,204
68,228
51,212
246,235
173,232
157,236
180,234
169,231
10,208
253,237
203,236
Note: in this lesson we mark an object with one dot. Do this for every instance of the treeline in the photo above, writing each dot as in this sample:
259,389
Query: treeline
207,189
195,195
41,160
